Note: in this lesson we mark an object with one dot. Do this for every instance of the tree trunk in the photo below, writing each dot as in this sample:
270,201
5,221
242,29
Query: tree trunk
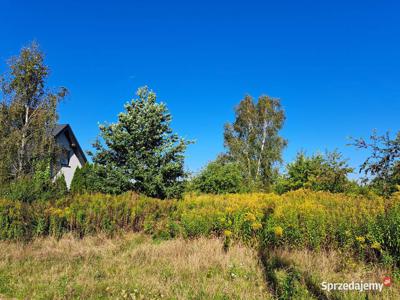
22,149
262,147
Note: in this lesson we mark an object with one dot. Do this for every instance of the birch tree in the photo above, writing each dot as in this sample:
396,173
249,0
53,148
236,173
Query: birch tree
253,139
27,115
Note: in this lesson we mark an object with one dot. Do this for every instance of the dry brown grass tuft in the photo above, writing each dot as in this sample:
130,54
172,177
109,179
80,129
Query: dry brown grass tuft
51,248
131,266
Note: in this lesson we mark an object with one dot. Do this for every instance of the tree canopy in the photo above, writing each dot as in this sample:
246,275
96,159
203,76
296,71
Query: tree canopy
317,172
140,152
382,167
253,140
28,114
221,176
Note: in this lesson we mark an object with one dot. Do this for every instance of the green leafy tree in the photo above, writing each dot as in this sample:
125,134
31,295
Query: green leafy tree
140,152
253,140
221,176
28,114
382,167
389,184
318,172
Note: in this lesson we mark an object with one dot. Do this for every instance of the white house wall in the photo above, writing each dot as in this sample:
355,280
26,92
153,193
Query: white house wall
74,162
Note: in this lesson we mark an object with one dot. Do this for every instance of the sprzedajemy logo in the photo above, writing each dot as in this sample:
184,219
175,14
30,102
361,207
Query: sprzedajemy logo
356,286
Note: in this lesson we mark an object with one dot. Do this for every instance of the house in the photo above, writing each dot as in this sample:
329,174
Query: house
70,156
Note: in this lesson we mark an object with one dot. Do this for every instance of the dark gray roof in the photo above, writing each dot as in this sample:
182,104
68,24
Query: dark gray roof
60,128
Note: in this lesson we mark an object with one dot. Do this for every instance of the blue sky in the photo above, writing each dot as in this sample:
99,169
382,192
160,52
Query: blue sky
334,64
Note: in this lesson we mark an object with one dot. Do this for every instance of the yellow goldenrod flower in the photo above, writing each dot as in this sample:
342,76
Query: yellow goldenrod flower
250,217
227,233
278,231
360,239
376,246
256,226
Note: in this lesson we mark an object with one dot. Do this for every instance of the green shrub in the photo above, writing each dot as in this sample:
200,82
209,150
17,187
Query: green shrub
89,179
58,188
40,186
317,172
14,222
384,232
219,177
29,189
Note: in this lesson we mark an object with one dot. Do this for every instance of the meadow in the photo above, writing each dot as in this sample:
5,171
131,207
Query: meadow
261,246
130,266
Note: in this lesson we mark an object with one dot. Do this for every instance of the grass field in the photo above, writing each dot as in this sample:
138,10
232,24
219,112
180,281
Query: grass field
134,266
250,246
298,274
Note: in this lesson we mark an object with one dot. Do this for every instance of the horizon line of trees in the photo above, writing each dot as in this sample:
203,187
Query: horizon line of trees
140,151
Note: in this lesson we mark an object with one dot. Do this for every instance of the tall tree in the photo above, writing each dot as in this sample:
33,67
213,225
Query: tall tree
141,151
382,167
28,114
253,139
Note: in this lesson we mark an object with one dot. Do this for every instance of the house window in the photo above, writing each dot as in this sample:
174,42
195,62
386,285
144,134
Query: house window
65,158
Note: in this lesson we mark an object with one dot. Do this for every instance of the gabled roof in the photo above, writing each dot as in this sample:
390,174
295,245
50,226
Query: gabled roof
67,130
59,128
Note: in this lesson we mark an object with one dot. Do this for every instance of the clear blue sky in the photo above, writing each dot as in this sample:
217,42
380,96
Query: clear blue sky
334,64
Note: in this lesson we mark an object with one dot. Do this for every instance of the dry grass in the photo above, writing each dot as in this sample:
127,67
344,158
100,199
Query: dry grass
133,266
334,266
129,267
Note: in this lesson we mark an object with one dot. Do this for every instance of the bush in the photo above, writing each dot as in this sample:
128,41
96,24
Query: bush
319,173
85,180
383,234
219,177
40,187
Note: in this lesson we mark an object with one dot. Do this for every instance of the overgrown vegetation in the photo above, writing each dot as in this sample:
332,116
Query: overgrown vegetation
302,219
362,230
139,162
37,187
141,153
298,274
221,176
130,266
317,172
88,179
